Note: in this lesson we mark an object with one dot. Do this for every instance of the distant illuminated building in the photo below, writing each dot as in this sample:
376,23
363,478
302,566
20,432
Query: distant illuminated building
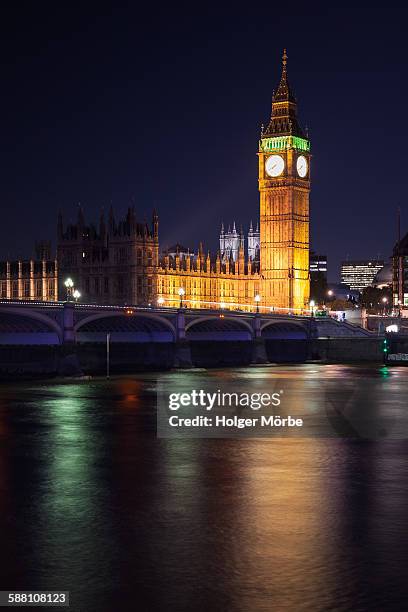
317,263
360,274
231,241
318,276
400,273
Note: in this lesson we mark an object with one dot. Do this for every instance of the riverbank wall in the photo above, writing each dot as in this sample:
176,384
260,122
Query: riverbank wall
45,361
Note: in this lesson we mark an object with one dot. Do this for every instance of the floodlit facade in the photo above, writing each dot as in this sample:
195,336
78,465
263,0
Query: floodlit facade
30,280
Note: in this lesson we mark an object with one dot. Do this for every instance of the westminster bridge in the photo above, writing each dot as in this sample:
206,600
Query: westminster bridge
157,336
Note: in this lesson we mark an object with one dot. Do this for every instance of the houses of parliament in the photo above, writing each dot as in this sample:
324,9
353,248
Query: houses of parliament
119,261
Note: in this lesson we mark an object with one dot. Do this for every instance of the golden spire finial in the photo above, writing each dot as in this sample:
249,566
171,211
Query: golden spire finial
284,59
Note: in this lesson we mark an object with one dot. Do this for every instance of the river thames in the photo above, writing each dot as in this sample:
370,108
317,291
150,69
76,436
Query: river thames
92,502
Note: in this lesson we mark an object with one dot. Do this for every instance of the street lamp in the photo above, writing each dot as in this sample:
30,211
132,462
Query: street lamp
181,292
384,301
222,305
257,300
69,283
312,305
160,301
76,295
329,294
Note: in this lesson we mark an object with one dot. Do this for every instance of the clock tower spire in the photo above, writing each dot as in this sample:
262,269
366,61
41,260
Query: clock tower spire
284,186
283,119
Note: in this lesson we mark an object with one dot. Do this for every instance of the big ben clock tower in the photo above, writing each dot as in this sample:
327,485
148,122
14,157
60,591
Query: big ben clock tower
284,186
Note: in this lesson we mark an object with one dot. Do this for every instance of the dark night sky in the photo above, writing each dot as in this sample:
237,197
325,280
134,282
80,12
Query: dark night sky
106,104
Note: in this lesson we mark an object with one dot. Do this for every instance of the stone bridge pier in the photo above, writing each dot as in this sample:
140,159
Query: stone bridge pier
68,355
258,342
182,351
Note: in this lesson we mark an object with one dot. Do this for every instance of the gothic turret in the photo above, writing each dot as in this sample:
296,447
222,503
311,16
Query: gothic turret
155,224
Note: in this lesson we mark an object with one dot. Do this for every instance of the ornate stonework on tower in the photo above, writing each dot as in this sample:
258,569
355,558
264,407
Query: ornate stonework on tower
284,185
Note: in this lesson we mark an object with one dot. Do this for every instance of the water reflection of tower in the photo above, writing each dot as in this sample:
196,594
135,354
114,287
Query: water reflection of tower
139,515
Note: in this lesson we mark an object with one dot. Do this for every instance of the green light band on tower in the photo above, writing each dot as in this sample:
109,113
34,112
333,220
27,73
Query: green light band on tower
280,143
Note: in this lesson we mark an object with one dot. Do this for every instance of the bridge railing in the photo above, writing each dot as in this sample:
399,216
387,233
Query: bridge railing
218,308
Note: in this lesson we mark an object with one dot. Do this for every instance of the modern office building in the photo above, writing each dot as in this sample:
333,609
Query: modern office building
317,263
358,274
400,273
318,276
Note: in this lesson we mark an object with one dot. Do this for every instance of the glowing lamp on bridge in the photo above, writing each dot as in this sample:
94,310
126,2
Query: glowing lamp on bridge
181,292
160,301
257,300
222,305
69,283
76,294
312,305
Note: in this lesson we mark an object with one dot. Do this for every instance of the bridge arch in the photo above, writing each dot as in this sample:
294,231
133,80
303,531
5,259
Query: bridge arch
219,328
285,341
123,327
284,330
26,326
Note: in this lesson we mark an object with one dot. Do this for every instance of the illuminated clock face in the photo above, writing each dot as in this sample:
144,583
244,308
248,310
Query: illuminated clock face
274,165
301,166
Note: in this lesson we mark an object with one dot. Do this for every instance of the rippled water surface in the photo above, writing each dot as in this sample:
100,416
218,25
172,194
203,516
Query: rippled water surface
92,502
